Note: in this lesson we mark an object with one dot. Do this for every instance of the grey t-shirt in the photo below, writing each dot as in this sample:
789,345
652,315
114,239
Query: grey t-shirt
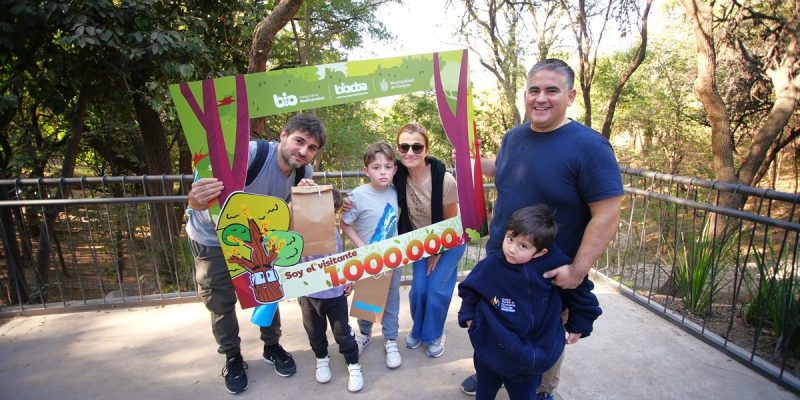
269,181
373,210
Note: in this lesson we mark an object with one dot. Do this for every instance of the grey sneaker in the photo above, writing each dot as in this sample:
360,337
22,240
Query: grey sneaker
412,342
436,348
362,341
470,385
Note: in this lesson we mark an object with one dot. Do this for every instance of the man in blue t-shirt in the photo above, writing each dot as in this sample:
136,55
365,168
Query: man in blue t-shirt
300,140
565,165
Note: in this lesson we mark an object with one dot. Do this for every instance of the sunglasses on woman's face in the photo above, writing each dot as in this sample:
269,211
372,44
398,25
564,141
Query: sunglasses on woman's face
416,147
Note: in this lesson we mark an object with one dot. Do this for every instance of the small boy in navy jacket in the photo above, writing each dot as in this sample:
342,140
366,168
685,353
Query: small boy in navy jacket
514,314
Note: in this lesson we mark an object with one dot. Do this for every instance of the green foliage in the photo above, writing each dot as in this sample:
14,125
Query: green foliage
775,299
700,263
323,30
351,127
659,123
111,52
492,121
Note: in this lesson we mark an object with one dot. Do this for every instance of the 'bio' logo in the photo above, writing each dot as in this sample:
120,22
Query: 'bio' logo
284,100
354,87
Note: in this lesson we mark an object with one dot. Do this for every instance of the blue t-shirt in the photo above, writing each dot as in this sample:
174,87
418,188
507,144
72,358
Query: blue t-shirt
566,169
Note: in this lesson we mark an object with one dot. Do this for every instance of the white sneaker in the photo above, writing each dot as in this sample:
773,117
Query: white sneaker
436,348
356,381
323,370
362,341
393,359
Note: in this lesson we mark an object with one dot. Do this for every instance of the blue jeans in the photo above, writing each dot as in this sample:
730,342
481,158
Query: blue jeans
430,295
391,312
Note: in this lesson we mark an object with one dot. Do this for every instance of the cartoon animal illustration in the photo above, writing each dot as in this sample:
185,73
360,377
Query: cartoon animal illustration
264,280
268,248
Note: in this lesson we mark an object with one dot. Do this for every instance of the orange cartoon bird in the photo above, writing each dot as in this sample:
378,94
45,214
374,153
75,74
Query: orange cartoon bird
226,101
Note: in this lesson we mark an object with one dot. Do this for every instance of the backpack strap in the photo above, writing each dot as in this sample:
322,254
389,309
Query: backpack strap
299,174
262,150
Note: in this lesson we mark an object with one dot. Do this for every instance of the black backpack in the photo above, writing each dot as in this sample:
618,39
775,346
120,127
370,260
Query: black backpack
262,150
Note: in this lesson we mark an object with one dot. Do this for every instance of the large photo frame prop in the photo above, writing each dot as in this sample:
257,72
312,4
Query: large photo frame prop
215,115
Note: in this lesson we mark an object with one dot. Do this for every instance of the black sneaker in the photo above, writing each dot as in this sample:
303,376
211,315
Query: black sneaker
235,377
283,361
544,396
470,385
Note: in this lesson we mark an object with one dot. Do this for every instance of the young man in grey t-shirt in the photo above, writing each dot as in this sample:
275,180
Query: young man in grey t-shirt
300,140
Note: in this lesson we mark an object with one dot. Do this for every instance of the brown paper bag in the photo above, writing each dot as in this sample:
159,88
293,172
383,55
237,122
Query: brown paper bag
313,218
369,298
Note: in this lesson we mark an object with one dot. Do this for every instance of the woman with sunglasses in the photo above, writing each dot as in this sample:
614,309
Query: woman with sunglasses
426,194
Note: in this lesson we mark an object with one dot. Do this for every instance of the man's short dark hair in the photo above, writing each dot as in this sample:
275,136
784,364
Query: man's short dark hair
556,65
308,123
537,222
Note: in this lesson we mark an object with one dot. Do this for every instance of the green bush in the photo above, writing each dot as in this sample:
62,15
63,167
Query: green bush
774,301
701,262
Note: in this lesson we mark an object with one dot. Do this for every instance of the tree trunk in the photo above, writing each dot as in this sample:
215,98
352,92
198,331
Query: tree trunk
774,153
264,34
263,38
159,162
504,61
786,84
17,282
49,215
76,133
637,61
185,156
706,87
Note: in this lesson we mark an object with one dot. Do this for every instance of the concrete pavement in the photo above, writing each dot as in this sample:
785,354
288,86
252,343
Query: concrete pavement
169,353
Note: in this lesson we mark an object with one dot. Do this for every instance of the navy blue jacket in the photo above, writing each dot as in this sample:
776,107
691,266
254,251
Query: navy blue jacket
516,324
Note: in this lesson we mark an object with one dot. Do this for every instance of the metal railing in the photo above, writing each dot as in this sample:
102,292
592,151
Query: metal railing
725,274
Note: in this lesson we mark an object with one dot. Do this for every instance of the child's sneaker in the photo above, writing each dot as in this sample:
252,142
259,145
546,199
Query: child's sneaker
470,385
436,348
323,370
393,359
412,342
283,361
235,377
356,381
362,341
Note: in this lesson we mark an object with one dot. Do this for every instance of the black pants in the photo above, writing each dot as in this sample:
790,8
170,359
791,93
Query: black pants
315,314
489,383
